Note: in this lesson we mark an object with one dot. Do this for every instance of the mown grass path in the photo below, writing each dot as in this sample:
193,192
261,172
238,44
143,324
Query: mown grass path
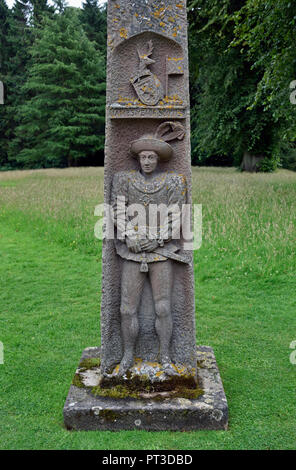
50,294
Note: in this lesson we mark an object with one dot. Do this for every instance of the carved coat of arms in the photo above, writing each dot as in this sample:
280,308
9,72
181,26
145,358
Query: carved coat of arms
147,86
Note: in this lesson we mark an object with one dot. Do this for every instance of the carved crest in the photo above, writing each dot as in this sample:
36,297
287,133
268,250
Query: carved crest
147,86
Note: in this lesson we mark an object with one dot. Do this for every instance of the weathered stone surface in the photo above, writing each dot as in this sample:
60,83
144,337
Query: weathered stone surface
148,373
145,373
147,40
149,411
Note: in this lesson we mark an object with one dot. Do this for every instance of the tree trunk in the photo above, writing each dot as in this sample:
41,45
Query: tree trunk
251,162
70,161
1,93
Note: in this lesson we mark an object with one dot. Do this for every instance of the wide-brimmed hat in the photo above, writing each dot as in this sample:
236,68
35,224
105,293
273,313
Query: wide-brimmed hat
162,148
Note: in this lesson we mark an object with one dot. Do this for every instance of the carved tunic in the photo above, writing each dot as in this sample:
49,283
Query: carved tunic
166,188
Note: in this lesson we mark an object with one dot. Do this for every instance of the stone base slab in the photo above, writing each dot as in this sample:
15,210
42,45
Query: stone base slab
86,411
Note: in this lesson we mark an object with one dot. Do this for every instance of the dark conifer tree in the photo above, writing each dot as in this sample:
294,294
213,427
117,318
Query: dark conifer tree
4,58
4,22
19,40
94,21
40,8
63,121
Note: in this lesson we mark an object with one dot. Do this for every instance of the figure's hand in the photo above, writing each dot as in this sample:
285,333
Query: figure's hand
149,245
133,245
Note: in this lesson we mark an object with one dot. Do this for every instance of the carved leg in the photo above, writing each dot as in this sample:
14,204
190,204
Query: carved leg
130,330
164,329
161,276
132,283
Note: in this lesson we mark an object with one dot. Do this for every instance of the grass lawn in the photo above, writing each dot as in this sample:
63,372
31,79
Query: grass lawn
50,274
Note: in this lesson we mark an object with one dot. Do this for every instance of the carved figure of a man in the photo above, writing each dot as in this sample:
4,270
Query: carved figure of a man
147,252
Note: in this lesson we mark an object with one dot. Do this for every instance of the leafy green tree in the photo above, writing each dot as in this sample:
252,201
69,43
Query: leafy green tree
224,121
62,123
265,32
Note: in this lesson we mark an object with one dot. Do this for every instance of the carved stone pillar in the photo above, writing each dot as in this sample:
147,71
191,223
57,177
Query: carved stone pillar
147,76
149,375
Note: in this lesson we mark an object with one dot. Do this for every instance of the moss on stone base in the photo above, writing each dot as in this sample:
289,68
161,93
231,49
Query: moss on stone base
77,381
84,365
89,363
121,391
143,382
139,387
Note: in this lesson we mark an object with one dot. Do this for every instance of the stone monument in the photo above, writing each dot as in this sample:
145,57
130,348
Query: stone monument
149,373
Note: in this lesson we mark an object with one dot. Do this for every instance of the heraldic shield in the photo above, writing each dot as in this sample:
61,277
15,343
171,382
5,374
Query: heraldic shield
148,88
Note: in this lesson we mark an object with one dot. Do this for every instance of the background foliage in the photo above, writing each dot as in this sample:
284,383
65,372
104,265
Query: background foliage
242,63
242,56
53,68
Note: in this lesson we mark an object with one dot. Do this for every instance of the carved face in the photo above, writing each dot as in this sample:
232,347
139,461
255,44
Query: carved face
148,160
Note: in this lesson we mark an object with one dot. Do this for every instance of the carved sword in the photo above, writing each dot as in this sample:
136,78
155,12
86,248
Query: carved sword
174,256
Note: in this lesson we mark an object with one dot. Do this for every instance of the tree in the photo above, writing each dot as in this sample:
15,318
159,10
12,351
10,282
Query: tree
19,39
224,122
4,58
265,32
4,21
62,123
39,9
16,56
94,21
59,5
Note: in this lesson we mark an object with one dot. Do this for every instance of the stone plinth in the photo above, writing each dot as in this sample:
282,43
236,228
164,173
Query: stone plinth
91,407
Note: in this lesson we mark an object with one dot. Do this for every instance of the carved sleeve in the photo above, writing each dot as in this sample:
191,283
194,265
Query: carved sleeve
119,200
177,196
178,190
